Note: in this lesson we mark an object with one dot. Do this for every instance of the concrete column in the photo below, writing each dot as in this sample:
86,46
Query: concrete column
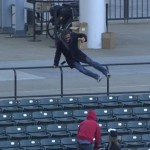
93,12
6,16
19,18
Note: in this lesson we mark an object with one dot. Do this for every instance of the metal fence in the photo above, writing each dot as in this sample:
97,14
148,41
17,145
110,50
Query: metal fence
128,9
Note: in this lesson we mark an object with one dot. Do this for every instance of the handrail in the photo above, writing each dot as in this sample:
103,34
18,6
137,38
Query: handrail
14,69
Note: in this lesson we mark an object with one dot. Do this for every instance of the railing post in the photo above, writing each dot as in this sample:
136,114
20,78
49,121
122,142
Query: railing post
107,81
15,84
126,10
61,74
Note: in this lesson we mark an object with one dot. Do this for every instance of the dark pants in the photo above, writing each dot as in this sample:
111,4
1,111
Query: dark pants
85,146
92,63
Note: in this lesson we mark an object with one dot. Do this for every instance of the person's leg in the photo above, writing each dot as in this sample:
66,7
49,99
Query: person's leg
83,70
96,65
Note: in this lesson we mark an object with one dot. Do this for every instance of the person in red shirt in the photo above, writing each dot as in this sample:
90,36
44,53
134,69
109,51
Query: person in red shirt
89,130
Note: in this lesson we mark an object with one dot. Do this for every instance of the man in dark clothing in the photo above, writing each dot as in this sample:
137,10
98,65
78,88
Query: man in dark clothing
113,140
68,45
87,131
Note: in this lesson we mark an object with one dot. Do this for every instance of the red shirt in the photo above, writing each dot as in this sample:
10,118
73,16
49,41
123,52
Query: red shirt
89,129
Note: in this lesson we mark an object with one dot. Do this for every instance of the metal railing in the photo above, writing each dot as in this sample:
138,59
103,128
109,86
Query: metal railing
61,94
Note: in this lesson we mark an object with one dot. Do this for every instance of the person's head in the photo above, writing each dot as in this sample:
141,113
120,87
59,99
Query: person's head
113,135
65,35
91,115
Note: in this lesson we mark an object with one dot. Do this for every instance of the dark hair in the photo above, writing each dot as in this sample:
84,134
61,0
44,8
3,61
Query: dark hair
64,33
113,133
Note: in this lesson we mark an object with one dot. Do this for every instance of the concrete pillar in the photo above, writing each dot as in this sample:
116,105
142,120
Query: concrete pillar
19,18
6,16
93,12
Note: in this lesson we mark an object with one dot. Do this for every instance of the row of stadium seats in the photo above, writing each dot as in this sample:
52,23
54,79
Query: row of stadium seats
84,102
70,116
70,129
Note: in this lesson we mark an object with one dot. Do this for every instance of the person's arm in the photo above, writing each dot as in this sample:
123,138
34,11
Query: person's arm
97,137
57,55
82,37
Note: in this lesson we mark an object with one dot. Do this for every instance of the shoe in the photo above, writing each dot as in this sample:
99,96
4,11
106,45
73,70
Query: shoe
99,79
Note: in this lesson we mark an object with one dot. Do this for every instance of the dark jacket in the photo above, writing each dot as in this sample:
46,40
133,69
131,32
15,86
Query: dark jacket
113,146
71,53
89,129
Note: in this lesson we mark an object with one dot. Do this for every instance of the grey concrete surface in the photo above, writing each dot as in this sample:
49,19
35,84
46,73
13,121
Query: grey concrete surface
132,45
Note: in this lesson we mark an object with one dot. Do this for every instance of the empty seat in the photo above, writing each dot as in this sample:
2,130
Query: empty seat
143,148
49,104
123,114
3,135
28,104
9,106
121,127
146,139
69,102
57,130
16,132
64,116
138,127
72,128
51,144
128,100
144,99
30,144
142,112
109,101
103,126
41,117
23,118
6,119
104,114
37,131
89,101
9,145
132,140
104,140
80,115
69,143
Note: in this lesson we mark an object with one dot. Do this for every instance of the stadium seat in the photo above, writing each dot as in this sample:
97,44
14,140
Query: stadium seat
3,135
43,117
146,139
104,140
6,119
57,130
143,148
69,143
51,144
144,99
69,103
28,104
142,112
88,102
49,104
37,131
123,114
16,132
103,126
121,127
137,127
23,118
9,106
63,116
30,144
72,128
9,145
104,114
80,115
128,100
108,101
132,140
